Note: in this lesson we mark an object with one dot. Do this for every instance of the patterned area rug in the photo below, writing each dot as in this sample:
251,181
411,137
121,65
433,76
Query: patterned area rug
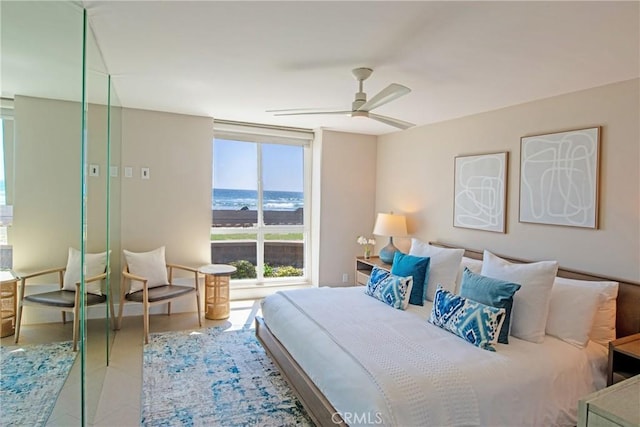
214,378
31,378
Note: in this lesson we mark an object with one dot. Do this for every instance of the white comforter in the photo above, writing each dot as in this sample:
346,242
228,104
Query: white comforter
378,365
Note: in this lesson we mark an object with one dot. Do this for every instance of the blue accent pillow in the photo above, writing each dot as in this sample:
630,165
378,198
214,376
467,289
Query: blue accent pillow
417,267
390,289
472,321
493,292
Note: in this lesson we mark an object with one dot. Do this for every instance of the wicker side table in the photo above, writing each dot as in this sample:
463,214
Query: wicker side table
8,303
216,290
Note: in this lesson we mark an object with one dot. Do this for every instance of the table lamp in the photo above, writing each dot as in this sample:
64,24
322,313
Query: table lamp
389,225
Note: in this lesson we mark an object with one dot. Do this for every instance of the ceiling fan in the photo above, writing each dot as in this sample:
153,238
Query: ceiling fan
360,106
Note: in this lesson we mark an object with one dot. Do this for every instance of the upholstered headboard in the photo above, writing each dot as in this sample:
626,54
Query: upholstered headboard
628,302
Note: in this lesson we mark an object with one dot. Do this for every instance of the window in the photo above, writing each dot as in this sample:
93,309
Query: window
6,184
3,185
260,193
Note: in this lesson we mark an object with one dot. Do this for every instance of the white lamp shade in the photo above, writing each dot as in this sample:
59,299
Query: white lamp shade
390,225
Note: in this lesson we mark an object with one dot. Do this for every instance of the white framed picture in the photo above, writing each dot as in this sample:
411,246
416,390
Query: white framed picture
559,178
480,192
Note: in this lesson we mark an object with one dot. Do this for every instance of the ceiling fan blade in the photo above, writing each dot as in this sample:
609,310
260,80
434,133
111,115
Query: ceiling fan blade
302,113
387,94
391,121
302,110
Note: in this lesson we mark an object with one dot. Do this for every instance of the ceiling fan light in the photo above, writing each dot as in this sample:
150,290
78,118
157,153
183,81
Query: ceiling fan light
360,114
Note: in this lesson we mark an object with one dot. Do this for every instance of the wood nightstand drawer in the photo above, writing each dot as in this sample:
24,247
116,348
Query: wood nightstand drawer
362,278
364,267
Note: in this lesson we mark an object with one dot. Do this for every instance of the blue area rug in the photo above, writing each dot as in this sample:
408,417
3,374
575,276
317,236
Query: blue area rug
31,378
214,378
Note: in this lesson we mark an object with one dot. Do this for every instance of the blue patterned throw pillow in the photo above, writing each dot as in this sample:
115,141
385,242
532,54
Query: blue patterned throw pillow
476,323
390,289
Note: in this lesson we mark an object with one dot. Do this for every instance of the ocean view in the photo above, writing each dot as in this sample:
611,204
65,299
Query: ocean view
226,199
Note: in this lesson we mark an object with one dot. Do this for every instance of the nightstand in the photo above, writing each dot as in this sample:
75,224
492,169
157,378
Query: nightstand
8,302
624,358
615,406
364,267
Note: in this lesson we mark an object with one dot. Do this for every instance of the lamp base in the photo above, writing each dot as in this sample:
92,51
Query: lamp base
387,253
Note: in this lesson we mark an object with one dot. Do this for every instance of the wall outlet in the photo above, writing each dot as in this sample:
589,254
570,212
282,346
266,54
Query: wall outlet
144,173
345,277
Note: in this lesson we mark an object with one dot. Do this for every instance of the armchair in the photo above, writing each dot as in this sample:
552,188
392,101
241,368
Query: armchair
148,280
67,297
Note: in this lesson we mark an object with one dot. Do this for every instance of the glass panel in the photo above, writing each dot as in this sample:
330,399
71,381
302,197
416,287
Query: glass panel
284,255
235,184
6,199
113,205
283,180
261,232
42,45
237,249
98,185
235,206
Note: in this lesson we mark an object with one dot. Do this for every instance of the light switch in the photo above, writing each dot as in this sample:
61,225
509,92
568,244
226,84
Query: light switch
144,173
114,171
128,172
94,170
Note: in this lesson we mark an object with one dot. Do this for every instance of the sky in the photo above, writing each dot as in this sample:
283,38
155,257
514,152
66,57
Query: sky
235,166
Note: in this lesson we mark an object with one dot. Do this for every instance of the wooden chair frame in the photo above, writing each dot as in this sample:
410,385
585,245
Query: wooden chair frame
75,310
146,304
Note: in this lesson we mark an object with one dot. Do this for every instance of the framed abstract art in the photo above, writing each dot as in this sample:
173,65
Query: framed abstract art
559,178
480,192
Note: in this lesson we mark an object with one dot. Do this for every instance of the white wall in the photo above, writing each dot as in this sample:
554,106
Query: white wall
415,176
47,183
173,207
346,187
47,199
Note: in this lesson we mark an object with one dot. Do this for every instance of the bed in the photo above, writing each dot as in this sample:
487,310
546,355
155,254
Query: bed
355,361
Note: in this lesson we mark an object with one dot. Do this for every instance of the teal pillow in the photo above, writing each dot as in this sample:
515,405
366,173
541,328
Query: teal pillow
493,292
409,265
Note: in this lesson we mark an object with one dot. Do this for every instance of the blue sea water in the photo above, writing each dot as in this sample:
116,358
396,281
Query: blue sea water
226,199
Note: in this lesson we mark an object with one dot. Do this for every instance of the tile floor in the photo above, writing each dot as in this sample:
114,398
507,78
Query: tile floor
114,392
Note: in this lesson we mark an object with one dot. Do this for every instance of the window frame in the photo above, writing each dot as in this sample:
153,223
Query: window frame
260,135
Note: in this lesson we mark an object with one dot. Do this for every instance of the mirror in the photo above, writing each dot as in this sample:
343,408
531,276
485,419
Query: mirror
59,201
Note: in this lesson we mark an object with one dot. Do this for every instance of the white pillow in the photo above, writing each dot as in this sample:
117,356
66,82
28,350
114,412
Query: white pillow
531,302
95,265
443,267
474,265
572,309
150,265
603,328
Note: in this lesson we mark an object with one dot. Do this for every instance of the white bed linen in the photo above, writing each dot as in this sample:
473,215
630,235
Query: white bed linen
521,384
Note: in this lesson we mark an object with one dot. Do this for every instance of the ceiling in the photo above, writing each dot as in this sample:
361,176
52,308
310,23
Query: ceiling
235,60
